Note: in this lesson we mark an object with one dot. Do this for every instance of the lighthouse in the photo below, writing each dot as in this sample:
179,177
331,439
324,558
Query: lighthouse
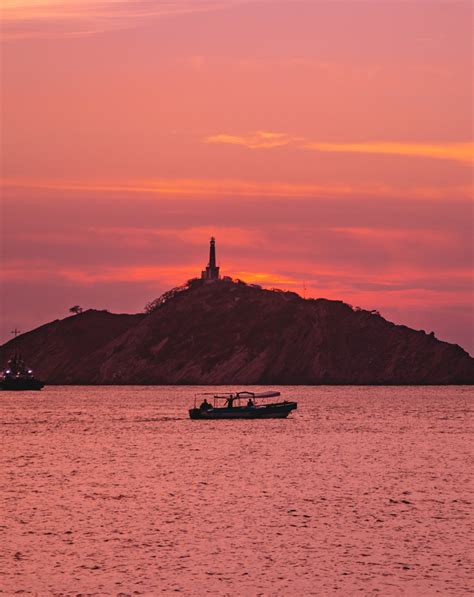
212,271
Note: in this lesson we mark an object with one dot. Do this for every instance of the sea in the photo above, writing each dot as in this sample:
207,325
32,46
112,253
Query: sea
115,491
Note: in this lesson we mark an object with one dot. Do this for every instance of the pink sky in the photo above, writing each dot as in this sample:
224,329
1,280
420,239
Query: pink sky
326,145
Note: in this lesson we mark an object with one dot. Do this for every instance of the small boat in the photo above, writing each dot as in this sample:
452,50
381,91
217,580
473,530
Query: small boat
17,376
241,405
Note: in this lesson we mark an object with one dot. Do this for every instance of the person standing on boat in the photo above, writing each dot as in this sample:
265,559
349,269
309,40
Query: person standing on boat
250,403
205,405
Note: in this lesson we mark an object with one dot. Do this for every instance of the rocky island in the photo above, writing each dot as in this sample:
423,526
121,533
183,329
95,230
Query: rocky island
220,331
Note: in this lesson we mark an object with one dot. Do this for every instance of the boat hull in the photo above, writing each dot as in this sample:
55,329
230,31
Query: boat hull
21,385
269,411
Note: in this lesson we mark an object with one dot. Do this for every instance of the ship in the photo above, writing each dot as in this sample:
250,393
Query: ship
17,376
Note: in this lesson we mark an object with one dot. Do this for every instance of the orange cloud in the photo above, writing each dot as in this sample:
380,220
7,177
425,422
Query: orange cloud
458,152
168,275
198,188
257,140
325,280
57,18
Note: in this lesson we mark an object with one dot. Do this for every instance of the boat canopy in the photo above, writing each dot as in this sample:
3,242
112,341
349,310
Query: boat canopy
270,394
244,394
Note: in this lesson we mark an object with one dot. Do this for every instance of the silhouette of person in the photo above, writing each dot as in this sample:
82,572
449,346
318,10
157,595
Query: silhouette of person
205,405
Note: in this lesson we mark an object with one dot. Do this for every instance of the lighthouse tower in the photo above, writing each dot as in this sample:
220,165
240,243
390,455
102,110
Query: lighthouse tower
212,271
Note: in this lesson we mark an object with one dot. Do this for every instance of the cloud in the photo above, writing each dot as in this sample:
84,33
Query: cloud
223,188
65,18
257,140
93,274
385,235
459,152
193,235
462,152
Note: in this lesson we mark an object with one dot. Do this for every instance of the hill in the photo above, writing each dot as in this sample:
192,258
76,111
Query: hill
229,332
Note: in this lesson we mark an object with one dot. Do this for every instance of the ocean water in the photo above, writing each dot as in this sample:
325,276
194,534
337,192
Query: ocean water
114,491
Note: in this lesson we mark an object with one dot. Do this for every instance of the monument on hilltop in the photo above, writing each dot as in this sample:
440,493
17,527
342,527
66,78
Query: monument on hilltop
212,271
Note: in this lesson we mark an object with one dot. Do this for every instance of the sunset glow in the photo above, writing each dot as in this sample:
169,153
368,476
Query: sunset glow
326,145
462,152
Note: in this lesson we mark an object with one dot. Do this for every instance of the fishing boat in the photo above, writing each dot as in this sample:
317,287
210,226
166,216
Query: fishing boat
240,405
17,376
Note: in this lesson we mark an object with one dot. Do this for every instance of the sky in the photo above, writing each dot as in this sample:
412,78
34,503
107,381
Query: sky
327,145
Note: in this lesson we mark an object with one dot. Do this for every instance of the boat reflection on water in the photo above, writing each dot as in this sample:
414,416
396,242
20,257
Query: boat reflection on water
17,376
241,405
